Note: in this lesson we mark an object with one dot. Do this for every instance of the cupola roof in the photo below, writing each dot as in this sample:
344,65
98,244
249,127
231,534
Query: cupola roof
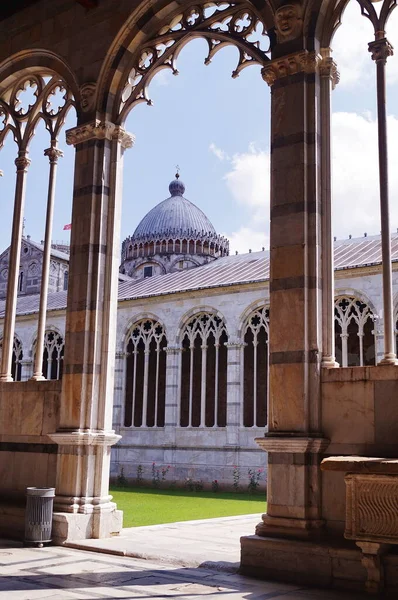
174,215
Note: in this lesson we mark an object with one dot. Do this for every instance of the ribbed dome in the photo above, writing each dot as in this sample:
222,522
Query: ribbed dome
175,214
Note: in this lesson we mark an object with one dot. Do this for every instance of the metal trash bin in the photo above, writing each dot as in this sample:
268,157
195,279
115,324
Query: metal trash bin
38,515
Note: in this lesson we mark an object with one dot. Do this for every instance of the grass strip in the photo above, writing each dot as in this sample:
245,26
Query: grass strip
148,506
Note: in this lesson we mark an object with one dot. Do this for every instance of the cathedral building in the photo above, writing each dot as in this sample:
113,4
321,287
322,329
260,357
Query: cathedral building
191,376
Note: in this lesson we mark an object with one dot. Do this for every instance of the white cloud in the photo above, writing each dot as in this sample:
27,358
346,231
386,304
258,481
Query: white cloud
350,48
218,152
247,238
355,183
248,183
355,174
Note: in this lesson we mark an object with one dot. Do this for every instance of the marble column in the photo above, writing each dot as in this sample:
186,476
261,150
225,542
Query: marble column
294,439
329,77
234,391
172,400
83,505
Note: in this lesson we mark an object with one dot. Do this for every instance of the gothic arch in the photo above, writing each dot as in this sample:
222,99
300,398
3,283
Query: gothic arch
17,357
356,294
255,336
203,397
53,352
145,374
196,311
36,61
135,319
354,320
257,304
146,26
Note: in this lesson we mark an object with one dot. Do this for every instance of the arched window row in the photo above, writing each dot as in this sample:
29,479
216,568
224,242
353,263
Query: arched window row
176,246
354,332
145,375
204,369
53,355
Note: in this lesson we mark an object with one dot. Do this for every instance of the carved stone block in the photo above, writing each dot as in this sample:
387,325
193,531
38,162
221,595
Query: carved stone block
372,507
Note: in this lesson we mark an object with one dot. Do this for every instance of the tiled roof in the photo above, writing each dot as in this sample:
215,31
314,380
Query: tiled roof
361,252
223,272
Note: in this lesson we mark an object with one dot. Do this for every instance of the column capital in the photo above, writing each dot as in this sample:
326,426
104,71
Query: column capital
22,162
99,130
328,69
299,62
380,50
85,438
235,343
53,154
173,349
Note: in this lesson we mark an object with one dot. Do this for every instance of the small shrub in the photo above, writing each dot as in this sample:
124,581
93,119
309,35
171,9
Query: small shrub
155,475
164,471
236,478
121,479
140,474
198,485
215,486
254,479
189,484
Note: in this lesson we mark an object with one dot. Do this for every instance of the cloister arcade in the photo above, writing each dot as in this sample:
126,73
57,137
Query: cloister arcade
100,63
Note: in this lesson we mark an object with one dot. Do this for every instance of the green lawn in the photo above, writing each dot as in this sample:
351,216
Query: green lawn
142,506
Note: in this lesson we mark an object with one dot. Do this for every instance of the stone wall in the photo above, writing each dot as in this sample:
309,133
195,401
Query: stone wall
28,412
360,417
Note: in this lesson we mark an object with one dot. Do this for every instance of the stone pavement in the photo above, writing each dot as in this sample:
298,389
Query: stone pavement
60,573
185,544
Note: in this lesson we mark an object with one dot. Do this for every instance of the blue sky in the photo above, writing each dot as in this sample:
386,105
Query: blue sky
217,129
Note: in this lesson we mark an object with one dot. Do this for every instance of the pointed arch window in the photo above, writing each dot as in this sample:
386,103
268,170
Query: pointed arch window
17,357
145,375
255,369
20,282
204,372
354,332
53,355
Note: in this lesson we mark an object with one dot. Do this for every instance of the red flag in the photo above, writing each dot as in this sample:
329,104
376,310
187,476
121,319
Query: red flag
66,227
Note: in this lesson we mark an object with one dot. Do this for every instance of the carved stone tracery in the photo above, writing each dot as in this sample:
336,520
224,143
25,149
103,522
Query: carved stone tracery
220,23
29,100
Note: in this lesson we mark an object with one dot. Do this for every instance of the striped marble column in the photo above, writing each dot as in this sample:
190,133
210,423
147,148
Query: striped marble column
294,440
85,436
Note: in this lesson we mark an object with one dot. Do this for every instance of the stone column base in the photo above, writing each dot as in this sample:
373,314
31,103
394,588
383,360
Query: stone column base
285,527
75,526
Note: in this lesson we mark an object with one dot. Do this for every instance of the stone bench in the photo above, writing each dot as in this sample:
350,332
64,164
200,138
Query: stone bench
371,509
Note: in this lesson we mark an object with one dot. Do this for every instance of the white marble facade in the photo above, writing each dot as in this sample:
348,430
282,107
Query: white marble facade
197,451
